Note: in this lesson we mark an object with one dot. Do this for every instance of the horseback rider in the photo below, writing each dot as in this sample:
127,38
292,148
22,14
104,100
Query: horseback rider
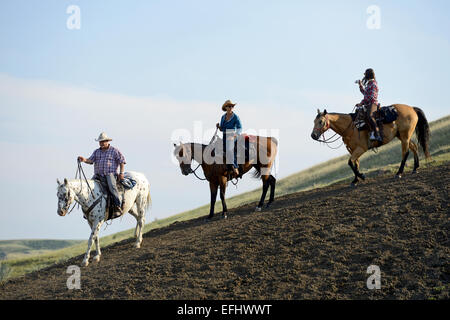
231,126
106,160
369,88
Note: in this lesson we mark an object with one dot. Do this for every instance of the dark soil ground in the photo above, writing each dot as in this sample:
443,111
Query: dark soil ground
310,245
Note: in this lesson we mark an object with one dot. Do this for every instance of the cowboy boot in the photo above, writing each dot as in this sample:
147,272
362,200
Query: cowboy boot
235,173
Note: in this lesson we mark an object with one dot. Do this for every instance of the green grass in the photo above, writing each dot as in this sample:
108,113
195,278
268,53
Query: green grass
14,249
336,170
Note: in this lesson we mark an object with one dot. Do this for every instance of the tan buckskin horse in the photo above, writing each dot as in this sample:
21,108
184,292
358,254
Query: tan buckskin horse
409,119
215,170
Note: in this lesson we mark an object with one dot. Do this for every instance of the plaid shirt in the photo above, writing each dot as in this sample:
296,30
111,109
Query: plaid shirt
370,93
106,162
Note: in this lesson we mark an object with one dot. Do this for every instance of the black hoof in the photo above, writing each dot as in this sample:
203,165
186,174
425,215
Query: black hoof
362,176
353,185
268,205
415,172
398,176
224,215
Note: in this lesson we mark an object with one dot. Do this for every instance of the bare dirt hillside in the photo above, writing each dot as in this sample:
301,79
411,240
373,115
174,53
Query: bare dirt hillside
310,245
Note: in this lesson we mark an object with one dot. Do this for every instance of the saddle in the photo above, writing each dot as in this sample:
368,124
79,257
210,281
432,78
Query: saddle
247,149
127,183
383,115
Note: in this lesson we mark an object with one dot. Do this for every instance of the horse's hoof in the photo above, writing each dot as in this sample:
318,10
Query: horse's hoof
398,176
353,185
137,245
415,172
85,263
363,176
258,209
96,258
268,205
225,216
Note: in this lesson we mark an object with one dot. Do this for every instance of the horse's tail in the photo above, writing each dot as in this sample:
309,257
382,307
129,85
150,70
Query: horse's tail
149,199
274,140
423,132
257,172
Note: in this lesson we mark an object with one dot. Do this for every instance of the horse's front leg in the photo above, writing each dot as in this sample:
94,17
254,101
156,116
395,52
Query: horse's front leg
97,243
223,186
353,162
213,188
94,237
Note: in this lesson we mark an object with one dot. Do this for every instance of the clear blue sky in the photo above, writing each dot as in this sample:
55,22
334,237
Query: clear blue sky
141,69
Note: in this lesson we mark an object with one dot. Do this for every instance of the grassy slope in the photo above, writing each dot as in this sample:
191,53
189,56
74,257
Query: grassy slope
14,249
332,171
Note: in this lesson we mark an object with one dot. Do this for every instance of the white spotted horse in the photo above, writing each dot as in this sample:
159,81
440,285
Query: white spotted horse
93,201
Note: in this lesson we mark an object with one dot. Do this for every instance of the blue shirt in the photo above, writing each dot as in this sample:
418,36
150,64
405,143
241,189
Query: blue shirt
233,124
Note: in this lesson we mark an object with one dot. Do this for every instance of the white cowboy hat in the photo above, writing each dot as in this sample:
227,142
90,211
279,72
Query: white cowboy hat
103,137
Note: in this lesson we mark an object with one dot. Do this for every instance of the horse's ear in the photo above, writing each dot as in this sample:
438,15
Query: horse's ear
318,111
324,111
58,182
65,182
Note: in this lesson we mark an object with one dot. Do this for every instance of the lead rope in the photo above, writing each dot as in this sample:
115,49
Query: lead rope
211,141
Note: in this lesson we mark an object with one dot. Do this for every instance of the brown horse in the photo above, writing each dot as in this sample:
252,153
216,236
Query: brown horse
409,119
216,171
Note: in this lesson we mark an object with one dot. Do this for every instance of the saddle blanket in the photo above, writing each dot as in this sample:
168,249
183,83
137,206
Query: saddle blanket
383,115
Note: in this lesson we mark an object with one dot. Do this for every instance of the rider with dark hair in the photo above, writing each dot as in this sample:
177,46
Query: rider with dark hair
369,88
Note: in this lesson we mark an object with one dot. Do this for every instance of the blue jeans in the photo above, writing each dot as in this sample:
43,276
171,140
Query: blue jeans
109,182
229,147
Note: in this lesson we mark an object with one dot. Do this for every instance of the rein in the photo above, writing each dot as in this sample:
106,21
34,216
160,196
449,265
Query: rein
211,141
327,141
202,179
80,174
193,171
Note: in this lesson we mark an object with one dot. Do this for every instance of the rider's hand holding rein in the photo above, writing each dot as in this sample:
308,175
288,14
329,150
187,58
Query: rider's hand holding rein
82,159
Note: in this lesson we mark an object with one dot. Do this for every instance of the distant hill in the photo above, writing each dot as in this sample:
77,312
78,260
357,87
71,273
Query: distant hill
13,249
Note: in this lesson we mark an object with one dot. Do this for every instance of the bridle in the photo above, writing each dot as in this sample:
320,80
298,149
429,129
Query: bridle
327,140
80,174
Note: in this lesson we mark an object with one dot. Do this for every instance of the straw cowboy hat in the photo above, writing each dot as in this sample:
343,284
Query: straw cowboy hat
226,104
103,137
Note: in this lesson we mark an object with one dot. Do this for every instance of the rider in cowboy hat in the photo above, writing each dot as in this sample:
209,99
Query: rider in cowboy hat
231,126
106,160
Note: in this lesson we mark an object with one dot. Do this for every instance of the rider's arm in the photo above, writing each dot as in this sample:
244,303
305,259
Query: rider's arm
361,88
221,123
91,159
82,159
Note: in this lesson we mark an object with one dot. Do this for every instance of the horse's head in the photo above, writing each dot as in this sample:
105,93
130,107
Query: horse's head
321,124
183,154
65,197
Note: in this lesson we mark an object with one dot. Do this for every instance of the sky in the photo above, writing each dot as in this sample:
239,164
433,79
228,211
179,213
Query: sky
151,73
